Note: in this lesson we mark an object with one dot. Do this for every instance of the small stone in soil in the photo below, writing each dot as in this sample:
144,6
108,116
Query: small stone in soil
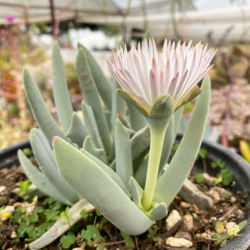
184,204
205,236
233,199
2,188
13,235
215,195
240,214
173,222
184,235
178,242
173,219
188,222
208,180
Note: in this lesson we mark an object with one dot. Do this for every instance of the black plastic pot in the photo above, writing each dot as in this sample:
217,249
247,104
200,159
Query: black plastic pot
235,163
8,156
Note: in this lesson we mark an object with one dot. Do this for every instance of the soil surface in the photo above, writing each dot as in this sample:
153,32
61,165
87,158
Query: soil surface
203,221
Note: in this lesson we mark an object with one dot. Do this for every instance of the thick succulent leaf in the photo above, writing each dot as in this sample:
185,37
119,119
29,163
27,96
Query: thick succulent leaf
58,229
167,146
124,121
91,125
141,173
162,107
177,120
99,189
60,89
111,157
39,109
108,119
118,104
124,165
108,170
136,192
137,121
91,97
158,212
45,158
173,178
39,179
97,152
102,83
77,131
140,142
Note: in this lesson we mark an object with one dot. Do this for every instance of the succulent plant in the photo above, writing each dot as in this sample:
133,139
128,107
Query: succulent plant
109,156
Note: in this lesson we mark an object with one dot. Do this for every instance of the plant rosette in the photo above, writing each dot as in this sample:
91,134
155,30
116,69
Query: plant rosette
111,160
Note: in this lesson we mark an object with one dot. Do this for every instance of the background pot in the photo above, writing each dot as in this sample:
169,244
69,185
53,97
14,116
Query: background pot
235,163
8,156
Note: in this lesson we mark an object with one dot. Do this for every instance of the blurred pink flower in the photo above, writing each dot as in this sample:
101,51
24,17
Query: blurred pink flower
147,74
10,18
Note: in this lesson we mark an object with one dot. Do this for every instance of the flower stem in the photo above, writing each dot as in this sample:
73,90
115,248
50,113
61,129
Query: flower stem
156,143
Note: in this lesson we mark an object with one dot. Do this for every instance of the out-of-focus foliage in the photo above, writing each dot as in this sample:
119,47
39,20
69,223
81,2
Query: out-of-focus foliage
231,61
245,150
230,100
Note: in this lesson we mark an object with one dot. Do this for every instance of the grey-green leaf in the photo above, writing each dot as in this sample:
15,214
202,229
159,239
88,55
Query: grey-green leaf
167,146
91,96
137,121
97,152
99,189
177,120
39,109
60,89
124,166
39,179
77,131
158,212
108,170
45,158
91,125
136,192
173,178
102,83
140,141
118,104
141,172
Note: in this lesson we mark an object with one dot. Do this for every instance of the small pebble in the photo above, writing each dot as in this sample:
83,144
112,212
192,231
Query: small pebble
173,219
223,193
213,219
178,242
215,195
188,222
205,236
207,179
184,204
184,235
240,214
2,188
233,199
13,235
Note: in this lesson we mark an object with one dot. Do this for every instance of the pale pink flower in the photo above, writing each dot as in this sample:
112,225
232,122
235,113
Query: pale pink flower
146,74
